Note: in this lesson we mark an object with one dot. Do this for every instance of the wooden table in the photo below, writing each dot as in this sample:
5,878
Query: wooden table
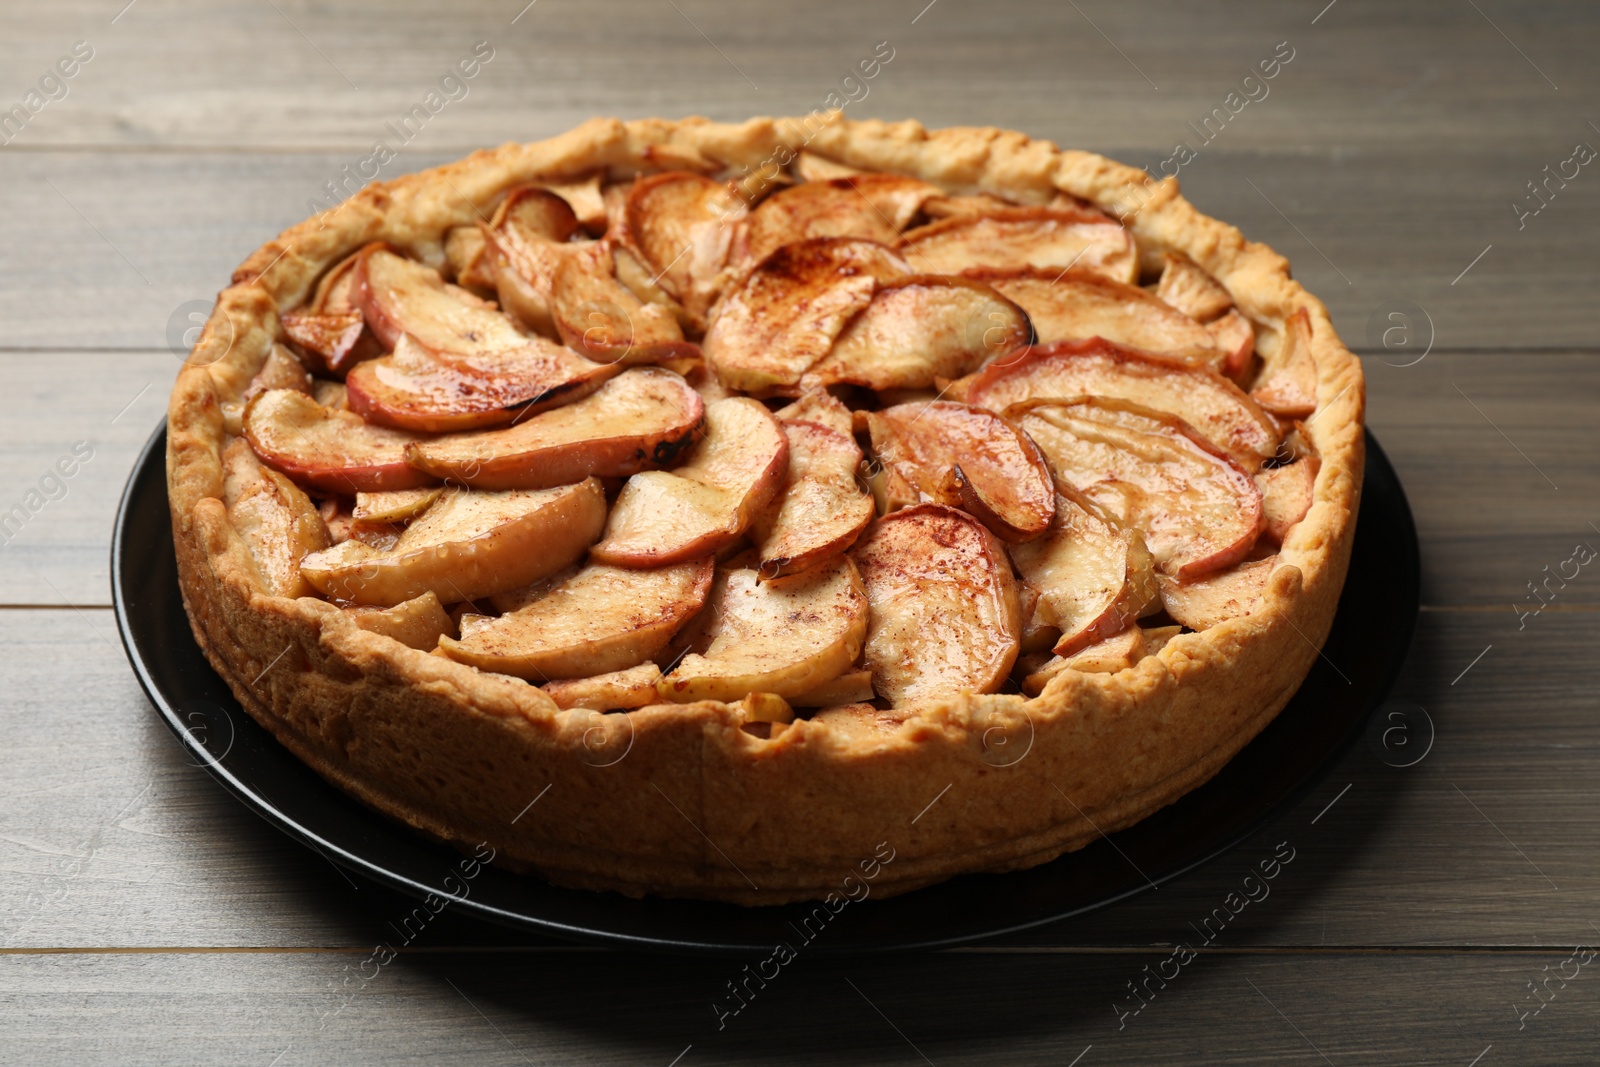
146,917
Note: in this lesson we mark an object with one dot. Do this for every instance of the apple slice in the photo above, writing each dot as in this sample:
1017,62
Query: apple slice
599,620
821,511
1186,286
1205,400
643,419
821,407
1048,237
328,449
784,316
1230,594
682,226
1093,576
783,637
599,317
468,544
970,458
1118,652
415,389
615,691
872,207
1198,510
276,520
851,687
401,296
338,340
418,623
1287,494
1077,305
1287,385
945,618
396,505
920,329
665,517
584,198
949,207
1236,340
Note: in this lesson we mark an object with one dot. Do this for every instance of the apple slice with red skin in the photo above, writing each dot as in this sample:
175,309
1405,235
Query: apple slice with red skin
1204,399
333,450
1231,594
1045,237
1198,510
821,407
331,328
1186,286
274,518
597,620
682,227
971,458
415,389
872,207
468,544
600,318
1236,340
1287,494
643,419
1078,305
400,296
920,329
770,329
944,617
1093,576
1287,385
664,517
526,241
822,510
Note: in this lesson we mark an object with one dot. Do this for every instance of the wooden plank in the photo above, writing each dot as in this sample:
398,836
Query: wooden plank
585,1008
109,837
124,254
1489,521
1363,73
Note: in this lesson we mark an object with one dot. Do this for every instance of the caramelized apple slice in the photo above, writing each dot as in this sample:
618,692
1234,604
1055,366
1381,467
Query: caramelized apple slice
784,317
851,687
1078,304
872,207
333,450
1205,400
276,521
970,458
615,691
921,329
1236,340
396,505
821,407
1287,493
467,545
1093,576
1287,385
944,615
1056,238
1230,594
599,620
339,340
602,319
784,637
665,517
821,511
1187,287
418,623
1118,652
584,197
682,226
1198,510
401,296
643,419
414,389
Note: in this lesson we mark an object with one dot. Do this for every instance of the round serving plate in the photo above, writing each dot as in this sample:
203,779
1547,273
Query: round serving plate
1359,664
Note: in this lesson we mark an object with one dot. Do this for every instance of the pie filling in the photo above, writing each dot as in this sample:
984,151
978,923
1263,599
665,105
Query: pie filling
850,446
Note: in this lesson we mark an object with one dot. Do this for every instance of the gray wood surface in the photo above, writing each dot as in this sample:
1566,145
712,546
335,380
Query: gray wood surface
146,917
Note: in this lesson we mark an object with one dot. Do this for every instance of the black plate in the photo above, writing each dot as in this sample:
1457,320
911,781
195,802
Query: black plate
1368,643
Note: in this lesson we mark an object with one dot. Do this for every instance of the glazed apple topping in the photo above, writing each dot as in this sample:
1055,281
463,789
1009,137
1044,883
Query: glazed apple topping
1057,454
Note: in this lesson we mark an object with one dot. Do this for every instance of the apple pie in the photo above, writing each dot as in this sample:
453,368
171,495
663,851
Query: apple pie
751,496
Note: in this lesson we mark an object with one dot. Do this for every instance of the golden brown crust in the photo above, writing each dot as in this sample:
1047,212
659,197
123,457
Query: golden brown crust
680,800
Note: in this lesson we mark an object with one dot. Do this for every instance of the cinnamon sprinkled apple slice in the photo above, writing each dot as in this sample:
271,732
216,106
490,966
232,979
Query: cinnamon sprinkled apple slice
332,328
665,517
1186,286
1287,384
329,449
612,691
1216,598
944,615
1206,400
917,330
276,520
468,544
401,296
821,407
970,458
527,241
872,207
417,623
784,316
822,510
1048,237
599,317
682,226
598,620
1287,494
643,419
1198,510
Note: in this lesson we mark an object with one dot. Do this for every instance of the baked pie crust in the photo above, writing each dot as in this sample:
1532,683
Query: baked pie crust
734,801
